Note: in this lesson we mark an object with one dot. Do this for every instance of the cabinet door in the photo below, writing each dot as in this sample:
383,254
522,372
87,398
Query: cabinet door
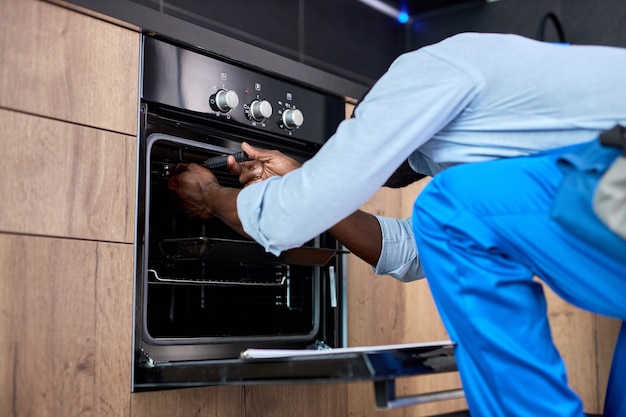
63,179
585,341
65,326
68,66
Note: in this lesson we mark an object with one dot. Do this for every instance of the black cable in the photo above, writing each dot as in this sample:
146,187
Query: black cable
552,17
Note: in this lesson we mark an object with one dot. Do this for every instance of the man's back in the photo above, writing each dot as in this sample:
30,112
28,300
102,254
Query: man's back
529,95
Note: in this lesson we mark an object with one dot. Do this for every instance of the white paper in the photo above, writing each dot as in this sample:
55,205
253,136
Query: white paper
285,353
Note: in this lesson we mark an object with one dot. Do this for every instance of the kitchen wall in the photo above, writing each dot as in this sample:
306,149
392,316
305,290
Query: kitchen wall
350,39
601,21
584,22
345,37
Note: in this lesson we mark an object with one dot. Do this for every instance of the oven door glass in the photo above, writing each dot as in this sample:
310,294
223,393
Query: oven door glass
205,283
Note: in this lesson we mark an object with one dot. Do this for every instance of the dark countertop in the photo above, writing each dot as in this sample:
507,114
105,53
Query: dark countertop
136,16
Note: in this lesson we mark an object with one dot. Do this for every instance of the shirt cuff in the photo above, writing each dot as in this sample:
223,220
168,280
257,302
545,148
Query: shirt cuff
399,256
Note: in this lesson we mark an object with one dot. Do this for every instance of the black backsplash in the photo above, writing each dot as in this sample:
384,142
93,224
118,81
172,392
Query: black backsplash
583,21
343,37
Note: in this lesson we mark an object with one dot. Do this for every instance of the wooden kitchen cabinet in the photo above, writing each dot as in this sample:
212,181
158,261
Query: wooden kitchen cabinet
67,180
586,342
69,84
67,66
301,400
65,322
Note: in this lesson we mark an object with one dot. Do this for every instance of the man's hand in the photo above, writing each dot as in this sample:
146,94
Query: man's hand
192,187
264,164
199,194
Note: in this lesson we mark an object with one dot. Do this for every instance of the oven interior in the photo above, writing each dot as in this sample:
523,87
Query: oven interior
205,280
206,286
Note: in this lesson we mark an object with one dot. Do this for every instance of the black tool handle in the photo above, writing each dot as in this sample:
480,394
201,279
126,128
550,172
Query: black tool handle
220,161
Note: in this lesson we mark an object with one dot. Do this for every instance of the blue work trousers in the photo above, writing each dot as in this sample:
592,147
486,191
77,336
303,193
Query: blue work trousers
483,231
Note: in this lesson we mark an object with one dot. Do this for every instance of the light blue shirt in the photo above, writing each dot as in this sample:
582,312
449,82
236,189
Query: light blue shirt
470,98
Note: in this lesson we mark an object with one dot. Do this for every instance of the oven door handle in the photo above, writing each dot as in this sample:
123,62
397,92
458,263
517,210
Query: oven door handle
385,394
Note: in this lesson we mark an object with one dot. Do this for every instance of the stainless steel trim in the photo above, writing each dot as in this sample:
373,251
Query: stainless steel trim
386,396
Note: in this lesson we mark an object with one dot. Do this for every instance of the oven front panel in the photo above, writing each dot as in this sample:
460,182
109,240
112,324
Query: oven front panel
236,95
204,292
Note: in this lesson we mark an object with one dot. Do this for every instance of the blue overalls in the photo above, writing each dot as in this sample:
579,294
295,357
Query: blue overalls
483,230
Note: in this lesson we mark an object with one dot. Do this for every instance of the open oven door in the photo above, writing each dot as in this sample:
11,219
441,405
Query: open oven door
380,364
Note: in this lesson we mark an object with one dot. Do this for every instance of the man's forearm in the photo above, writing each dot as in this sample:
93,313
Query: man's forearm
361,234
223,205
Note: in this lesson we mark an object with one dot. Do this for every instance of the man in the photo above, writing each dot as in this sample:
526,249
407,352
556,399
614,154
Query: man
470,98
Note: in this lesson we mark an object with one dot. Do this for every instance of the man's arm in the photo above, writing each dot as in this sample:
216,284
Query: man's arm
201,196
361,234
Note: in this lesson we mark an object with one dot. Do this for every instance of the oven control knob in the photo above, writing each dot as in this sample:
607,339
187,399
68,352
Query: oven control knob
292,118
260,110
226,100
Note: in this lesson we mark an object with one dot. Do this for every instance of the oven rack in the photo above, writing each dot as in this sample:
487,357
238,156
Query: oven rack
279,282
207,248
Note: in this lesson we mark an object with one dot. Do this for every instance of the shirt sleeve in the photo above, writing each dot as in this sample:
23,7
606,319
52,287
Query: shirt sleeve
415,99
399,257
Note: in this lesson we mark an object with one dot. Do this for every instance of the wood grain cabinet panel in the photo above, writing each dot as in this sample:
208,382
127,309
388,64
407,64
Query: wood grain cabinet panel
65,320
68,66
585,341
66,180
192,402
607,330
302,400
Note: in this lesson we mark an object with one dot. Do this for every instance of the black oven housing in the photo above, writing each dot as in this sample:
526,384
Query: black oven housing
204,294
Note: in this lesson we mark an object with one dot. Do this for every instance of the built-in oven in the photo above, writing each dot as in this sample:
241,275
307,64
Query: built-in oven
211,306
